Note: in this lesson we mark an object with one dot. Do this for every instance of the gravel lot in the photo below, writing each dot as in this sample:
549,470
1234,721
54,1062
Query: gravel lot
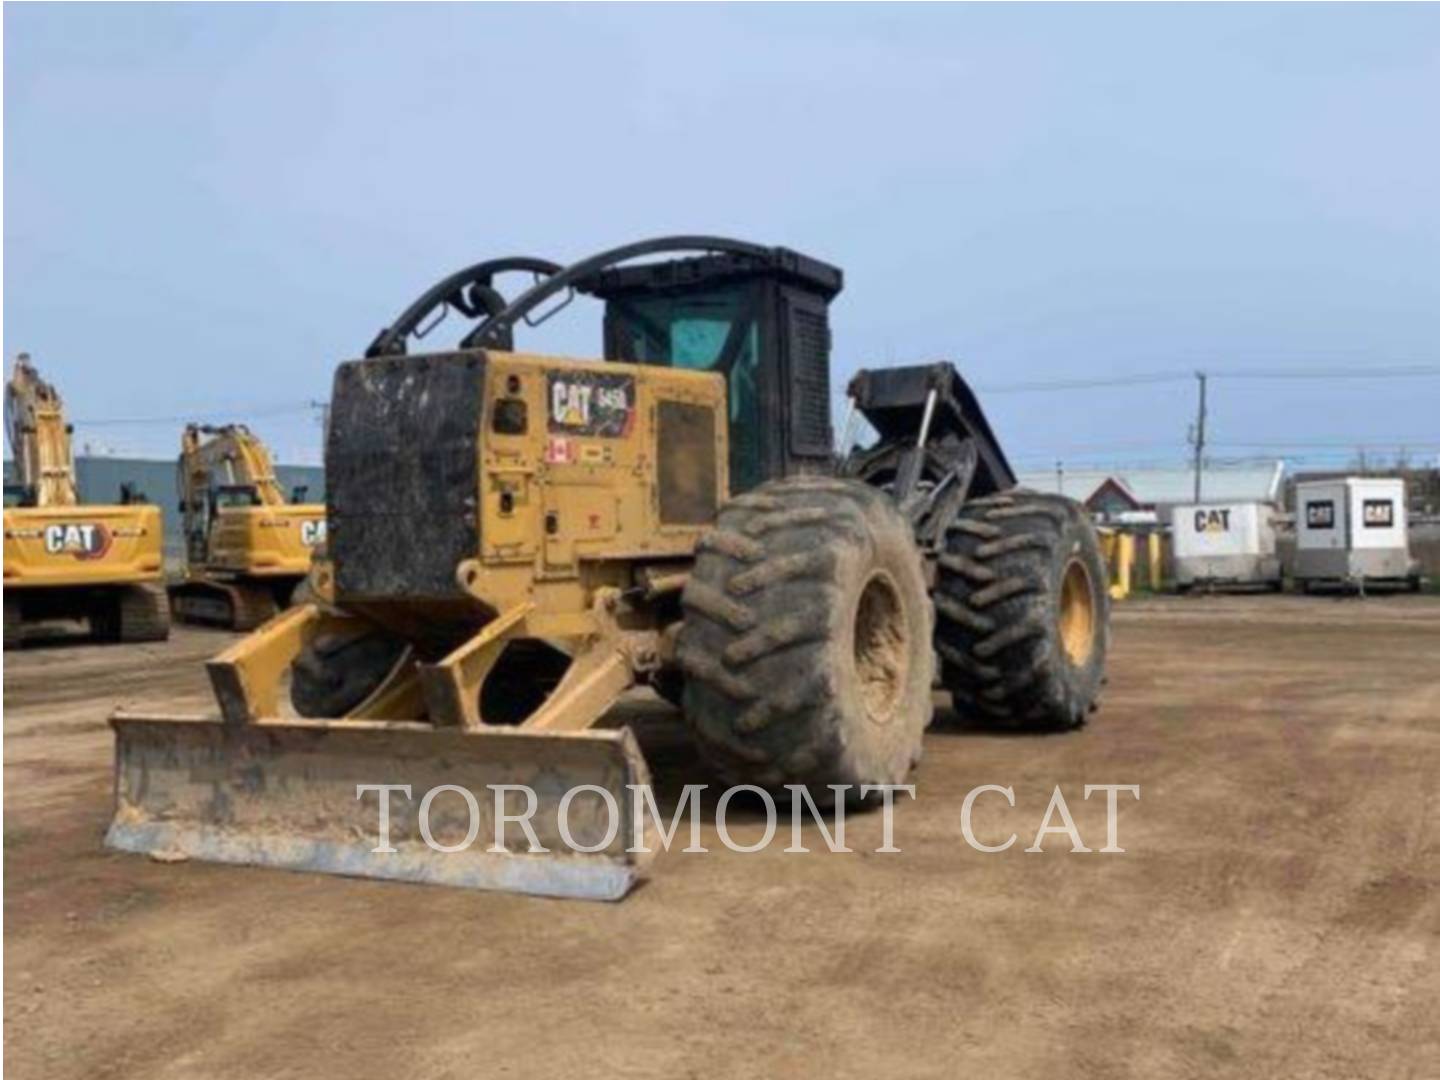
1275,913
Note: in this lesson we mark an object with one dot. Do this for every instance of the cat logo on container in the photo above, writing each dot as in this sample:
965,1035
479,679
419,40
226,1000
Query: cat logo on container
1212,521
83,540
1379,513
1320,515
312,532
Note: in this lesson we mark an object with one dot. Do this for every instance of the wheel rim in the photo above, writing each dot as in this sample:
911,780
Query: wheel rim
882,647
1077,613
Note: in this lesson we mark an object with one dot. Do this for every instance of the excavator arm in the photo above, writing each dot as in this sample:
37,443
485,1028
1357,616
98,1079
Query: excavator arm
230,454
39,438
226,456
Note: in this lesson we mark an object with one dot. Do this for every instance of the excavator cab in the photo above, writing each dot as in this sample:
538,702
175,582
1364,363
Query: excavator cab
236,495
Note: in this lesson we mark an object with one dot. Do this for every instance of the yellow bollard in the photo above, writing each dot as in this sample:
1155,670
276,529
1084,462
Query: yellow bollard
1124,563
1119,551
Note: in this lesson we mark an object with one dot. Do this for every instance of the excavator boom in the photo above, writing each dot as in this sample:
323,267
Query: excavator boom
39,438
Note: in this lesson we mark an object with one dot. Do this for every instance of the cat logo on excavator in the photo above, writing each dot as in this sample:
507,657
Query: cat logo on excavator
83,539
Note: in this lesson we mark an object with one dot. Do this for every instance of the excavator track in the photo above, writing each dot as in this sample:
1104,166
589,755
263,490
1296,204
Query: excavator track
143,613
229,605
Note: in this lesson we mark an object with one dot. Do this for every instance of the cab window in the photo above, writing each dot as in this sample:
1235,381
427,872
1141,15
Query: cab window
712,331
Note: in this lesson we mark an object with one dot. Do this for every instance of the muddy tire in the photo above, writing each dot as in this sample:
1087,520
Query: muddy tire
336,672
805,643
13,619
1022,612
142,613
669,684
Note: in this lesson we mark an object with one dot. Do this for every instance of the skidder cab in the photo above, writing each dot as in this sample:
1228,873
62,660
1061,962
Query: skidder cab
516,539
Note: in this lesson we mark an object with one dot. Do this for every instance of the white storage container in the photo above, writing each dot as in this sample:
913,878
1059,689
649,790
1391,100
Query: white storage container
1352,530
1225,544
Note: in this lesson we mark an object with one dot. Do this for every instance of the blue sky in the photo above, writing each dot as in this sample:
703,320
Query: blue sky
207,207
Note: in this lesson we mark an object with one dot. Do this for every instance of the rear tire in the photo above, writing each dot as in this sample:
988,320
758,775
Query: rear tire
806,641
336,672
1022,611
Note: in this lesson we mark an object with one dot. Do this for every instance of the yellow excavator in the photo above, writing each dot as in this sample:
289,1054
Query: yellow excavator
63,559
247,545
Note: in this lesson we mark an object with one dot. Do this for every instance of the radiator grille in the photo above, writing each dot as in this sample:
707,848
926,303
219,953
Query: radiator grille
810,374
688,480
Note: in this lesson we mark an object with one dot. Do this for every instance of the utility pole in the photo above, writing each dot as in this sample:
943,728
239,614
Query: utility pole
1199,438
323,410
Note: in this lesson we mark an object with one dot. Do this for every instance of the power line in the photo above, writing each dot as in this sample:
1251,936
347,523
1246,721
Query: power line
1393,371
1365,443
1147,378
199,414
1141,379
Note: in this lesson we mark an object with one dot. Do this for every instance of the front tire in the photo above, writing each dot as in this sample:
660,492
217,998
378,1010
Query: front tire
806,640
1023,612
337,671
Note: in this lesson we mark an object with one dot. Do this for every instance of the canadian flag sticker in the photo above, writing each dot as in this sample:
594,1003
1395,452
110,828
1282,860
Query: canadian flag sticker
560,450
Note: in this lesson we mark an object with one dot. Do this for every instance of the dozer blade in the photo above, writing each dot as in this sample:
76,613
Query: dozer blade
283,793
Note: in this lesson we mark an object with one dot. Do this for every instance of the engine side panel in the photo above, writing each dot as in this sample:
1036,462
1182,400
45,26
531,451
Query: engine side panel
612,462
540,474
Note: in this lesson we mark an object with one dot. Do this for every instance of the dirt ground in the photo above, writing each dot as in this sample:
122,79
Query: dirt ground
1275,913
